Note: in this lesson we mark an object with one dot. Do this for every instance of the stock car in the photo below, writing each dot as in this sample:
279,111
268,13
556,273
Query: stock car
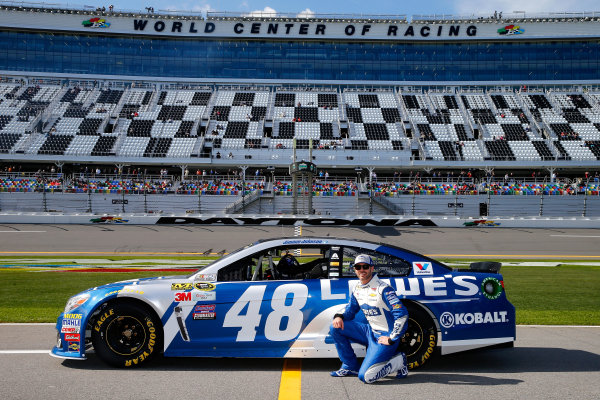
277,298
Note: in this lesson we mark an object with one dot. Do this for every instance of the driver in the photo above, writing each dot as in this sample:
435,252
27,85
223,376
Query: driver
386,324
288,266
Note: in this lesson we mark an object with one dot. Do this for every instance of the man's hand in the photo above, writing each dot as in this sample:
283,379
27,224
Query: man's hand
338,323
385,340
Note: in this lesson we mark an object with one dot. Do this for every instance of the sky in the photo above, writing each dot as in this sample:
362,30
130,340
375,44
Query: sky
357,7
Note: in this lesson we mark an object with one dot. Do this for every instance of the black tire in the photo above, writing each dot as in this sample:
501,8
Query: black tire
126,335
420,339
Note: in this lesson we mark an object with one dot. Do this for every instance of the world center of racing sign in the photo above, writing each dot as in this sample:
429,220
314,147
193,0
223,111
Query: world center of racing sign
309,29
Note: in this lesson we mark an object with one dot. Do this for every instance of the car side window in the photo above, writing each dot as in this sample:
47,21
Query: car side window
283,263
241,270
386,265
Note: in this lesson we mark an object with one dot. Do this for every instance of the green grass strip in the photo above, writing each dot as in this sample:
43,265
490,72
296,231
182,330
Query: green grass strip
563,295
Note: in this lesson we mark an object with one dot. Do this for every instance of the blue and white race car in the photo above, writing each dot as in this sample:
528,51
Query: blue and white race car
277,298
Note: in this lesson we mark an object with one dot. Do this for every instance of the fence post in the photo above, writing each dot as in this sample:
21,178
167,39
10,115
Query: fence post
145,198
585,199
456,202
199,203
42,179
89,190
489,203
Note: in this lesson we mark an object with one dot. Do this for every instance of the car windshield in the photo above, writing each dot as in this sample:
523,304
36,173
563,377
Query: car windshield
221,258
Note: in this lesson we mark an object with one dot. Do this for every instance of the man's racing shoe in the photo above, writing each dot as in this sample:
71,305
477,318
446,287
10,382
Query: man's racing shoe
403,369
344,372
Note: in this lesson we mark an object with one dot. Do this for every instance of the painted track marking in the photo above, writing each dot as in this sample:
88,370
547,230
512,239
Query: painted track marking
24,351
23,231
290,387
576,236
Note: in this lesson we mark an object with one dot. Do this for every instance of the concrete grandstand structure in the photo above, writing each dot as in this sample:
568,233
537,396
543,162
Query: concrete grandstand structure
220,91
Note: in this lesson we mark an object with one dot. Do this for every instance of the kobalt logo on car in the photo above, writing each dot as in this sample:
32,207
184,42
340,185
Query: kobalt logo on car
448,320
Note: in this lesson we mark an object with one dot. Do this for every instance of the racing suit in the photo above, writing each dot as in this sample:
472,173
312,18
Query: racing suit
386,316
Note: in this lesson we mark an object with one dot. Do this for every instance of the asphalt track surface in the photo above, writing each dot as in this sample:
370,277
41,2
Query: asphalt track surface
546,363
191,239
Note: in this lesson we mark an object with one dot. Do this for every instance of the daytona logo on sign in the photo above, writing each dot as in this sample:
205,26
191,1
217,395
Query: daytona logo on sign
422,268
448,320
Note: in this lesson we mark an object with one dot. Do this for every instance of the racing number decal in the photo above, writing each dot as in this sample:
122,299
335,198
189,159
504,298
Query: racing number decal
252,298
292,312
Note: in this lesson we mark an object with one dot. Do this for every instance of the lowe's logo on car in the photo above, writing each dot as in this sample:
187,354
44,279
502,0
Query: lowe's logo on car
422,268
448,320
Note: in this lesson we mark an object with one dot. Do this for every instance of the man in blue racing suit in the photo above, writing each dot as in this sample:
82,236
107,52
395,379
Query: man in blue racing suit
386,317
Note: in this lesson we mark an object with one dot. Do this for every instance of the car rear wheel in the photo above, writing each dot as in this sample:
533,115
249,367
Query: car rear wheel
420,339
126,335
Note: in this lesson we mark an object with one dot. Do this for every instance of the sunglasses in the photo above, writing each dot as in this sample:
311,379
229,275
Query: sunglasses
358,267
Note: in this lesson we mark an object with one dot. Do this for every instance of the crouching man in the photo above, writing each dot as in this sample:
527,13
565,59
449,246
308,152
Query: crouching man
387,320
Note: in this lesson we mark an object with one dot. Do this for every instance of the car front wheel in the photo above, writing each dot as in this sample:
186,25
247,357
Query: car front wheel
126,335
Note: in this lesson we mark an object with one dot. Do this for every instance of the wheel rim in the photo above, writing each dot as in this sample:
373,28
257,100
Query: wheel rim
413,337
125,335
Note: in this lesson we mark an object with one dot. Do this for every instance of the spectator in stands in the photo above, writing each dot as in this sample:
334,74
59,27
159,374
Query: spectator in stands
218,155
230,155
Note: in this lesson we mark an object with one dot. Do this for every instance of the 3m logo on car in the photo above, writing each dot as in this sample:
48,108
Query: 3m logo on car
448,320
183,296
422,268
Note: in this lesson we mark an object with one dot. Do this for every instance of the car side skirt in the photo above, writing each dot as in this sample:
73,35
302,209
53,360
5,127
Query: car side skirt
455,346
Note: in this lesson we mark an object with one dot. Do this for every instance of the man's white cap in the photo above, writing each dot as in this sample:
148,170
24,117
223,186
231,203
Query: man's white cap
363,259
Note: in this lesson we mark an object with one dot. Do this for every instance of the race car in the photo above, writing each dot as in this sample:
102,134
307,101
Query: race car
277,298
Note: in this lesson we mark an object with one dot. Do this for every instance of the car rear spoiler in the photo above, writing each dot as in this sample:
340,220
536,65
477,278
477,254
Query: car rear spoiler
486,266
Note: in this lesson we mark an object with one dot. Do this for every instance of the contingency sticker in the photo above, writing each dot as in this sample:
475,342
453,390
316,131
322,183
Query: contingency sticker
192,297
205,311
422,268
70,326
206,277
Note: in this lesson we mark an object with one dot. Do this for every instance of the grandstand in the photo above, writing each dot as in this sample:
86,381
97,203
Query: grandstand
223,90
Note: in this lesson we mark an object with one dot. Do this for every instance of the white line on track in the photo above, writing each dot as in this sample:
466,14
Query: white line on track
27,323
576,236
24,351
23,231
559,326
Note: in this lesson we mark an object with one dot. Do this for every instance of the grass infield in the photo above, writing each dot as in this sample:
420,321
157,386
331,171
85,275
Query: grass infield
562,295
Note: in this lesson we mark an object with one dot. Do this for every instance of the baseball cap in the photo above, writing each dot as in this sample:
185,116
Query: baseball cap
363,259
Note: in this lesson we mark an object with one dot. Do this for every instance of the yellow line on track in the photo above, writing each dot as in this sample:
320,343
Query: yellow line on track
290,387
